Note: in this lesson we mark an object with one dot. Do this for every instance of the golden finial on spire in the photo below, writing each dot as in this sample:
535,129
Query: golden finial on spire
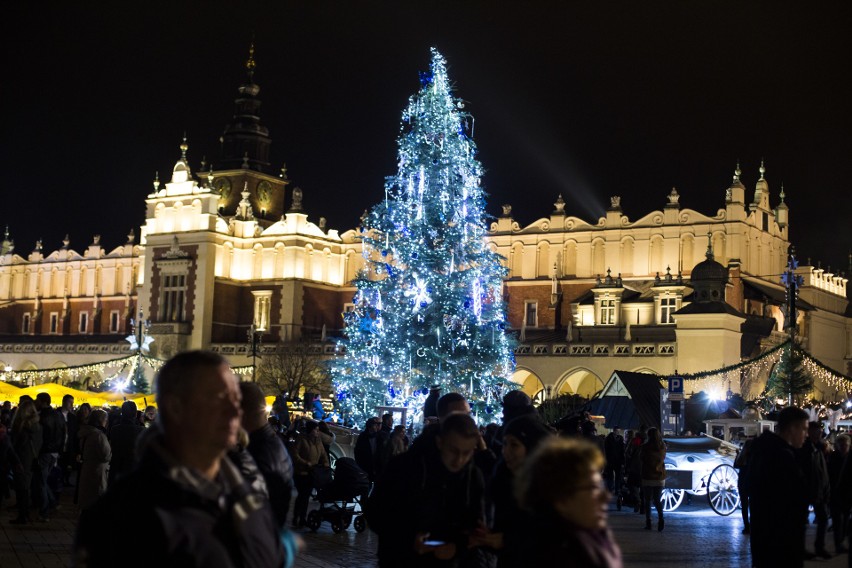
183,146
737,171
250,63
762,169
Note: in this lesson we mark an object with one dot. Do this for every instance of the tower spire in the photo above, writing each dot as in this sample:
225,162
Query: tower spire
737,172
245,135
762,169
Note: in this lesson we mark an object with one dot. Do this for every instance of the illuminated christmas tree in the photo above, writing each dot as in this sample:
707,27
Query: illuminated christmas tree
429,307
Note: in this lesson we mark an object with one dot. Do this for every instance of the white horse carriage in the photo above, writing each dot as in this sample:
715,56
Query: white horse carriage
701,466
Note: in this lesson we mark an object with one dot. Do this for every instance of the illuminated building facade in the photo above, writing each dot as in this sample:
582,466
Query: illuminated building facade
229,246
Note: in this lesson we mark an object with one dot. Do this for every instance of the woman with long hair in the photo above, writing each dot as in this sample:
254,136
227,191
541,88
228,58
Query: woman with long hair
653,457
26,442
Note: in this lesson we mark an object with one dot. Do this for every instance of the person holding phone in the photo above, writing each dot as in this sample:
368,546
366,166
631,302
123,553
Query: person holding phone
428,501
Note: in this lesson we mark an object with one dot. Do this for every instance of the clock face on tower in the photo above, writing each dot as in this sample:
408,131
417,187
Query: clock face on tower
264,192
223,187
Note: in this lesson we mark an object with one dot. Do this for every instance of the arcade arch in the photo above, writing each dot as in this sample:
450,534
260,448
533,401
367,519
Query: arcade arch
530,383
582,382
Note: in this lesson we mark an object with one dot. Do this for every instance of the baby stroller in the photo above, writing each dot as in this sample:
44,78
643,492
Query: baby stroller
338,494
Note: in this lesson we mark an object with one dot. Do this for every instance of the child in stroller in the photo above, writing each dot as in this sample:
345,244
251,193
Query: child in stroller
338,493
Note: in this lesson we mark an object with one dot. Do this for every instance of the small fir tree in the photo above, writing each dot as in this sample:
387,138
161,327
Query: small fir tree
789,377
428,307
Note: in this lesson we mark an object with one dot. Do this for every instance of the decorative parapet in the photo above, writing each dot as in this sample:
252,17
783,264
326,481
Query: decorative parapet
243,349
598,349
822,279
67,348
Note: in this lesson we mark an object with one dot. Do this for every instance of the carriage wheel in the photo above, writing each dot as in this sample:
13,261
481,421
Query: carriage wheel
314,520
722,489
671,498
360,524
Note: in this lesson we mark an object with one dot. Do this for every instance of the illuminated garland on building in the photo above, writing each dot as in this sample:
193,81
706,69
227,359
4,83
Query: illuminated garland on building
819,370
72,372
718,379
243,371
75,372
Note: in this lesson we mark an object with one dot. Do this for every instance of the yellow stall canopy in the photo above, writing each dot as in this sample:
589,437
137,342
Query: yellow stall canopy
9,392
57,391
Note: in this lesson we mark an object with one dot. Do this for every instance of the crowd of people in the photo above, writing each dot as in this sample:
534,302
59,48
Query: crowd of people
208,479
45,450
516,494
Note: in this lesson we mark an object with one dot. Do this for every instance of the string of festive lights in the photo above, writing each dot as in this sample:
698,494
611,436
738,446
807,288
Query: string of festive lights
71,372
244,370
819,370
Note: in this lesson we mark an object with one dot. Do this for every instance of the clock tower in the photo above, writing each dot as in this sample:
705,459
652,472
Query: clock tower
244,164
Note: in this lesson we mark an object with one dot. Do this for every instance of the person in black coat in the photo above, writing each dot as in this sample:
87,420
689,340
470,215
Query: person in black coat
186,499
53,428
430,405
839,511
429,500
122,440
614,469
267,449
778,493
70,451
368,449
520,438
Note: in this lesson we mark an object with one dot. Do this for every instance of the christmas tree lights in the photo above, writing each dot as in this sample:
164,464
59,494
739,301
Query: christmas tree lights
429,307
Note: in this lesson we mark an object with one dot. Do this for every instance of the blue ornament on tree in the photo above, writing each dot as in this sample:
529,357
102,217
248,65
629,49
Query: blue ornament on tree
489,410
414,255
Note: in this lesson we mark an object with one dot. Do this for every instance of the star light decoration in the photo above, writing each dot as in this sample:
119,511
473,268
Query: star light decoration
429,307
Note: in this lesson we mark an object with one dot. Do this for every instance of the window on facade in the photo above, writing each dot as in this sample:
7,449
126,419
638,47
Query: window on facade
531,315
113,321
25,326
173,298
607,312
84,322
668,306
262,304
54,322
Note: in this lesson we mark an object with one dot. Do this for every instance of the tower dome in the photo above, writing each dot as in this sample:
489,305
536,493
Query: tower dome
709,279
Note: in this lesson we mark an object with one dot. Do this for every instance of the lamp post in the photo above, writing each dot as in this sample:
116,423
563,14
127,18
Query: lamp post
254,335
140,342
792,283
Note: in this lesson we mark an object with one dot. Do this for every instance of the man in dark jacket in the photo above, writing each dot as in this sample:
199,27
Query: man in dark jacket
812,454
68,457
267,449
778,493
614,469
186,498
53,442
122,440
368,448
839,511
429,499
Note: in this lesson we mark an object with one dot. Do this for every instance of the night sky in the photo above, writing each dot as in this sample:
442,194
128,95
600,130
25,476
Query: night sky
586,100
